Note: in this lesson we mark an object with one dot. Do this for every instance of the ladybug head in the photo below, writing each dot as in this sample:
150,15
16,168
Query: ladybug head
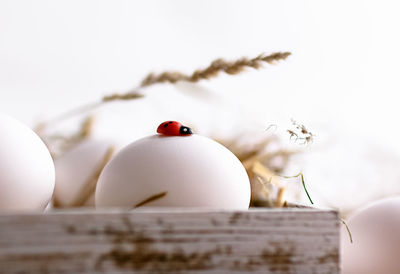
185,130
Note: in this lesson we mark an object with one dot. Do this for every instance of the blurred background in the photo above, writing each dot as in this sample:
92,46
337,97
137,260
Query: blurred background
340,81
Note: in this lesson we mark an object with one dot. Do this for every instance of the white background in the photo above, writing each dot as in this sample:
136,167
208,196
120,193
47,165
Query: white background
341,81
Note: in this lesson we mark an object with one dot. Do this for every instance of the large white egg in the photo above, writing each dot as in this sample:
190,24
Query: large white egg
26,168
376,234
193,171
77,172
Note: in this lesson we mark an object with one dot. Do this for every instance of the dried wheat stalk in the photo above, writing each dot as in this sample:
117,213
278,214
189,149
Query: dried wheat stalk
212,71
217,66
126,96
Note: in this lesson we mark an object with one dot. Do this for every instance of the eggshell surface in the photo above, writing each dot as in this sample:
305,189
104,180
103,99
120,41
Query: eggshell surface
376,234
26,168
75,169
194,171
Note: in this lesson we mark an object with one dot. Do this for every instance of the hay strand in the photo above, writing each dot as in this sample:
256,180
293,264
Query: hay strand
348,229
151,199
213,70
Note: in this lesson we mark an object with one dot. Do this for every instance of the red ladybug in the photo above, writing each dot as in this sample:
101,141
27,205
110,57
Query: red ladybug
172,128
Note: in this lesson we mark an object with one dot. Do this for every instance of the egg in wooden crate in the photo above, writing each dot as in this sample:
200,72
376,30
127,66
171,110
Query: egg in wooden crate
376,239
174,169
26,168
77,171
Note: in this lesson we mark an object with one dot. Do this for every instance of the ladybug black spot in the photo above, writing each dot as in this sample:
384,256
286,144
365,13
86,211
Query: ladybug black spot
165,125
170,122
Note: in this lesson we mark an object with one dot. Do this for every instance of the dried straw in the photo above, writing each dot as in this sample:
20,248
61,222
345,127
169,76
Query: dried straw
212,71
279,202
58,143
347,229
258,162
126,97
151,199
217,66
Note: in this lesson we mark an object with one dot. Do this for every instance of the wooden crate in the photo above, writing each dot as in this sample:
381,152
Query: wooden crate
286,240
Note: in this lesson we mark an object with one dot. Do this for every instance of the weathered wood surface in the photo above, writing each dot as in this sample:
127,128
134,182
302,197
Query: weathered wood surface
180,241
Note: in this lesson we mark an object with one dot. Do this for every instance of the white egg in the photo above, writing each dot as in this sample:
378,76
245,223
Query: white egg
192,171
376,234
77,172
26,168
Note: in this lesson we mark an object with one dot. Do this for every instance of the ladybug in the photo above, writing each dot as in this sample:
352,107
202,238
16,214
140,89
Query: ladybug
172,128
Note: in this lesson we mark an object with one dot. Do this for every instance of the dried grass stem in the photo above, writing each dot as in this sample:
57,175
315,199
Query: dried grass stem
212,71
151,199
217,66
